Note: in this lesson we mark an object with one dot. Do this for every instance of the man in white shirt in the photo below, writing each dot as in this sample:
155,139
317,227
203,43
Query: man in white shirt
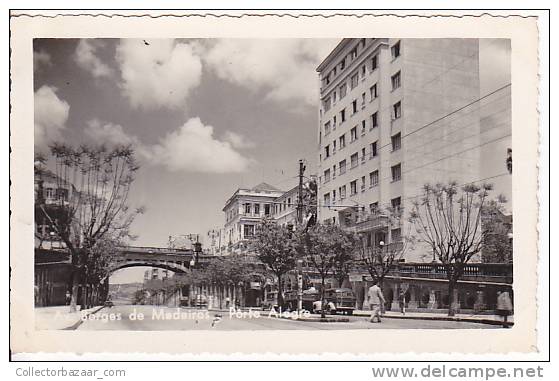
375,300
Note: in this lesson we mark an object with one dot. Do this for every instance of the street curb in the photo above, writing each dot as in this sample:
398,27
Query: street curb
75,326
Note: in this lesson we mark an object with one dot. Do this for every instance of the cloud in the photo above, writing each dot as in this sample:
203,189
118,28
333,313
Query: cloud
41,58
86,58
190,148
108,133
51,114
284,69
236,140
157,73
193,148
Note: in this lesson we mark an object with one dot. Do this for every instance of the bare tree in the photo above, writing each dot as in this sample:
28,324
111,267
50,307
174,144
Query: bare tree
379,258
325,247
449,220
92,188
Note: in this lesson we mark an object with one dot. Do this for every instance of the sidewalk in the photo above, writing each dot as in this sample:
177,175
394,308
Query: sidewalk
60,317
472,318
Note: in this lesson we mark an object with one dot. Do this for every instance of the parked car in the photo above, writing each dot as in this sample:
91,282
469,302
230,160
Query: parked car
342,299
271,300
200,301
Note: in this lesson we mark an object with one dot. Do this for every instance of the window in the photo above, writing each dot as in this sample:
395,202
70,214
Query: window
353,187
327,151
353,134
266,209
327,175
327,104
397,110
363,71
334,196
342,141
334,171
257,209
49,193
374,63
354,106
327,199
374,120
248,230
363,184
342,64
396,202
62,194
373,178
373,150
334,122
363,127
354,158
248,208
289,202
333,147
342,116
353,54
343,90
342,192
327,128
363,155
328,79
395,81
396,172
396,50
396,235
363,96
396,142
354,80
373,92
373,208
342,167
334,97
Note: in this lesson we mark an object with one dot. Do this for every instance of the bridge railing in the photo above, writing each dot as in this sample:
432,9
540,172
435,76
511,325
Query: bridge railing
156,250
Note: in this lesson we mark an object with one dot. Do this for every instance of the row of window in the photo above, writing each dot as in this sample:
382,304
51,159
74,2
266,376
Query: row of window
373,123
396,143
255,209
353,190
372,64
373,93
330,199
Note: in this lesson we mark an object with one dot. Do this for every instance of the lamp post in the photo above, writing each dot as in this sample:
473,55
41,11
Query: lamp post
299,285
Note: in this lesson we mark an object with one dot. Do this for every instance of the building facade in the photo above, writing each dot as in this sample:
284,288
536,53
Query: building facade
243,211
396,114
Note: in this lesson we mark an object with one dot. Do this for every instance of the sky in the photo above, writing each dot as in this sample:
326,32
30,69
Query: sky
205,116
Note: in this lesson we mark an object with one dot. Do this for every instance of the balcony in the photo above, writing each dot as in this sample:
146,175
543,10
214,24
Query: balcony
369,223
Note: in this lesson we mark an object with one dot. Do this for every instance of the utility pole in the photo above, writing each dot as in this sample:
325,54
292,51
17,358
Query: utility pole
300,198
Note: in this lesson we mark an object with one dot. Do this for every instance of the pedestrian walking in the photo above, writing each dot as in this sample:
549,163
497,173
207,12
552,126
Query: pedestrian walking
376,300
68,297
504,307
402,301
227,302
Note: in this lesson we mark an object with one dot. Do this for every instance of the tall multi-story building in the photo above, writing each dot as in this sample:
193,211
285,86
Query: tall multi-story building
395,114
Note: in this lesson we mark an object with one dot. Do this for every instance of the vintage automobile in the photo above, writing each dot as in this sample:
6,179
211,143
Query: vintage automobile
271,300
340,300
200,301
291,299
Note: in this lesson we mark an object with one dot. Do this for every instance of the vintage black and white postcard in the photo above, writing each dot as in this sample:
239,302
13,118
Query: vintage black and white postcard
209,184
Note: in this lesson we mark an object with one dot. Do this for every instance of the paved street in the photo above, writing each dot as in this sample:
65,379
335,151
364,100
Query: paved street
126,317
